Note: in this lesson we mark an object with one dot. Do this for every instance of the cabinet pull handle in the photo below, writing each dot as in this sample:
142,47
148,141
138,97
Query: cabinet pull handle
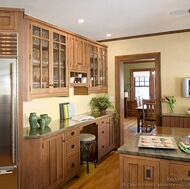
63,140
103,146
72,133
148,173
102,132
79,63
73,164
72,146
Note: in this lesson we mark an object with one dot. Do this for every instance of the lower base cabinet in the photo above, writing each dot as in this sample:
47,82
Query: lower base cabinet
138,172
51,160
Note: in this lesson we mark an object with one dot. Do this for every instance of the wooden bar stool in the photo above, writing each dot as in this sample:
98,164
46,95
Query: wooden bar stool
87,141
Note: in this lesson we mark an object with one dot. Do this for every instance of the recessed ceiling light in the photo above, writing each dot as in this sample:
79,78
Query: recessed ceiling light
108,35
80,20
178,12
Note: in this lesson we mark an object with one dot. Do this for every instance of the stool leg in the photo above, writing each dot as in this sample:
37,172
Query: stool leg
95,155
87,161
81,154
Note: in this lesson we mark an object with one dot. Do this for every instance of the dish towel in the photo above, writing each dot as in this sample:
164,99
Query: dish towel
184,147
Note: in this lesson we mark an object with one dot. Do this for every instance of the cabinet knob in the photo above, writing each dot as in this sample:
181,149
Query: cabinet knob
72,133
102,146
72,146
73,164
102,132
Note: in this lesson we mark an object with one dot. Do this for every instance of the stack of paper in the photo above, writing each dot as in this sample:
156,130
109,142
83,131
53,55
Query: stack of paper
82,118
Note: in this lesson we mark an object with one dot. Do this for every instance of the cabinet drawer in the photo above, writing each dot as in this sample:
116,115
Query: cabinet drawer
72,166
103,122
179,173
102,132
72,133
102,147
72,146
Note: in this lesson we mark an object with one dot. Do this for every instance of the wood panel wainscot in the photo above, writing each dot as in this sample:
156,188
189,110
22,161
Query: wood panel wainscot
176,120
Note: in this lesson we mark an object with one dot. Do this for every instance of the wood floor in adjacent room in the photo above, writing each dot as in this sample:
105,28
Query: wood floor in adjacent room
106,175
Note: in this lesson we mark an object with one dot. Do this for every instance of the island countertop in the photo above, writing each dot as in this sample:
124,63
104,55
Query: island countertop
132,148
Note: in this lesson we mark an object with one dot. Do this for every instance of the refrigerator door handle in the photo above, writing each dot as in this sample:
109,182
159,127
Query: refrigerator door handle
3,172
14,108
7,170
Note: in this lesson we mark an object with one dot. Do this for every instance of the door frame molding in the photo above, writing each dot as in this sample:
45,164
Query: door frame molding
119,86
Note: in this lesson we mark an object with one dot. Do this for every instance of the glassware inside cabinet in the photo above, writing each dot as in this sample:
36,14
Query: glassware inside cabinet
59,60
102,67
40,61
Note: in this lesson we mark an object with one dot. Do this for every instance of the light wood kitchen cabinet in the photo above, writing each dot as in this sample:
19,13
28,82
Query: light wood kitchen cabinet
78,54
106,136
53,160
72,151
139,172
7,20
97,72
98,69
48,62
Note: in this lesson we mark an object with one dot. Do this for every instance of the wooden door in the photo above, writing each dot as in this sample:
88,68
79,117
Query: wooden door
53,160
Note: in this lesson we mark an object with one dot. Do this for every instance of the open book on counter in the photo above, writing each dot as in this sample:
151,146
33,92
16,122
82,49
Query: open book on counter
82,118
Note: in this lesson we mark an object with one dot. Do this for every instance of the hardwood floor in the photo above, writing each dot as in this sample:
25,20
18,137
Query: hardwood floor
106,175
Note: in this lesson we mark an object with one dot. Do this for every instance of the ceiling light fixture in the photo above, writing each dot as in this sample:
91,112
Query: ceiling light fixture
80,20
108,35
178,12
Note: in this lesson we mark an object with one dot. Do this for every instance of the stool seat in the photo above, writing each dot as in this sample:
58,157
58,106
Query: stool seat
85,137
87,141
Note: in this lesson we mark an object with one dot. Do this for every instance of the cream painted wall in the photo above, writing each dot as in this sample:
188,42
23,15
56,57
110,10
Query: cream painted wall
50,106
175,62
175,65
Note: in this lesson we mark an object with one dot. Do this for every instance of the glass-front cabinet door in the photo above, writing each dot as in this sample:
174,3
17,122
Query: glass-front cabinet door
93,66
59,61
103,66
40,58
48,68
98,69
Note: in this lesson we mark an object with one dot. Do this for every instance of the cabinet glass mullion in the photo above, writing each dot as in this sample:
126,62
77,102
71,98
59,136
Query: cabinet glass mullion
40,58
59,61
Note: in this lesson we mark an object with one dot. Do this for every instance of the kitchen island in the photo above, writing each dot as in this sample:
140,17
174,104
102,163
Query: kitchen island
155,167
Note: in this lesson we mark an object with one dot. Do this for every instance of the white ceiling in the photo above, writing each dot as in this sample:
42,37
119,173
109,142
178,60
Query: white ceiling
121,18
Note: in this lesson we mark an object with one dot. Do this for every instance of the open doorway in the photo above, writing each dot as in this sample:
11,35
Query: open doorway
119,85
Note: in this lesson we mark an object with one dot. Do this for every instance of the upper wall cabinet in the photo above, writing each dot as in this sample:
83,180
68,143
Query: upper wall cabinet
78,53
98,69
48,62
7,21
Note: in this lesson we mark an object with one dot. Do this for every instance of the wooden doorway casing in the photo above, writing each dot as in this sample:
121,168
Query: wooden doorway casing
119,86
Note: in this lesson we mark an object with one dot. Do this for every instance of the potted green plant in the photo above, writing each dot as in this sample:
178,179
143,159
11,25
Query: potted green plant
101,103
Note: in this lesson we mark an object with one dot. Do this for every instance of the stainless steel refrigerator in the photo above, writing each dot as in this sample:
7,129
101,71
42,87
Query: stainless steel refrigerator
8,123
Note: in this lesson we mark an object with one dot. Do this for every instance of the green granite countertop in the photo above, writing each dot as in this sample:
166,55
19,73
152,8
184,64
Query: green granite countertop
57,126
132,148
